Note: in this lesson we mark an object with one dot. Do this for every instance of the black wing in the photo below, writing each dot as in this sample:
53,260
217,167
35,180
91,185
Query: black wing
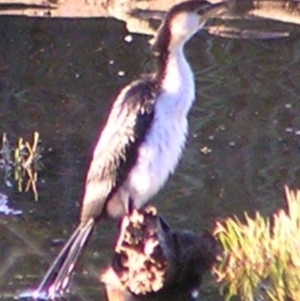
117,148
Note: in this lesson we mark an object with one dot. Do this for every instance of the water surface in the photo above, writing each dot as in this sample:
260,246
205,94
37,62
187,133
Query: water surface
58,77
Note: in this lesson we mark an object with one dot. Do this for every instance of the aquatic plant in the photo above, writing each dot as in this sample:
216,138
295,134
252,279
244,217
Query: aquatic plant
23,161
261,256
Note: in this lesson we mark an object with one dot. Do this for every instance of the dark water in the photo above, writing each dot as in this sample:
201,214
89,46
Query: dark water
58,76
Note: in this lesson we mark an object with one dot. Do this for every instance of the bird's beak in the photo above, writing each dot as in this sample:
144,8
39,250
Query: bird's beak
214,10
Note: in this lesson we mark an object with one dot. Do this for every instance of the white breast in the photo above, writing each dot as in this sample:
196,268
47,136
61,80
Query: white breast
159,154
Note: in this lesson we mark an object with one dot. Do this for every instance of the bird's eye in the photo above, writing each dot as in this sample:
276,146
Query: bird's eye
201,10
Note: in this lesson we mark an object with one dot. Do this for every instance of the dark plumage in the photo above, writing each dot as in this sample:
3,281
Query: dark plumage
111,164
107,171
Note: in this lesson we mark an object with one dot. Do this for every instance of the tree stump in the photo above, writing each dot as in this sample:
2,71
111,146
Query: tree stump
153,262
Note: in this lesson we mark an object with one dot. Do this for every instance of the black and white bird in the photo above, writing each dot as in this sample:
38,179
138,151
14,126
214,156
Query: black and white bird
142,140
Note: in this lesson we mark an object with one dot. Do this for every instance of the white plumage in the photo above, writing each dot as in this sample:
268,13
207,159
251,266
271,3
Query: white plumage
159,154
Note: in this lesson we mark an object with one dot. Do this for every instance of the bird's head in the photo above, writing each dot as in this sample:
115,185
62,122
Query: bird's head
183,21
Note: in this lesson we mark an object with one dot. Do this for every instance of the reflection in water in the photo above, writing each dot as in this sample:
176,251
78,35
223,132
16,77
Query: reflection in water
58,76
245,18
21,163
141,16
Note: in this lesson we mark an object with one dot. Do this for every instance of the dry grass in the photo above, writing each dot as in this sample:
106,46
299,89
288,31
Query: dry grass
261,259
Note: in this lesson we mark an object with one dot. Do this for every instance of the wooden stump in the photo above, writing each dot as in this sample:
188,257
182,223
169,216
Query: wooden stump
153,262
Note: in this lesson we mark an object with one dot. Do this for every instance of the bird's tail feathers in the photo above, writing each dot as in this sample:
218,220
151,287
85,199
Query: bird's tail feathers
56,280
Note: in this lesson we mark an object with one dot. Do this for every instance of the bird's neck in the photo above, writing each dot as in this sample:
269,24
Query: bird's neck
174,72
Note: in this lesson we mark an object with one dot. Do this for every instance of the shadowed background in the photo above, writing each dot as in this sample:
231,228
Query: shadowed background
58,76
